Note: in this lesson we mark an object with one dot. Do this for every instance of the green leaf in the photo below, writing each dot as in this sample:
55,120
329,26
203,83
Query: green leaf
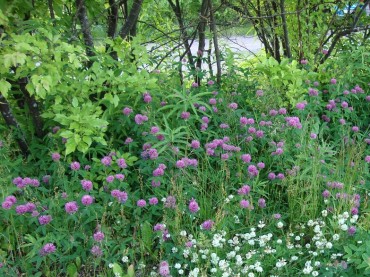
117,270
14,59
70,146
130,271
74,102
4,87
72,270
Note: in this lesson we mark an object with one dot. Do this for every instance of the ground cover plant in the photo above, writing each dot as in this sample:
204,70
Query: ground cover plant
201,185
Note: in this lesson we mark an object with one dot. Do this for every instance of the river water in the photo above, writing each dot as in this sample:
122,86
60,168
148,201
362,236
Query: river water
241,45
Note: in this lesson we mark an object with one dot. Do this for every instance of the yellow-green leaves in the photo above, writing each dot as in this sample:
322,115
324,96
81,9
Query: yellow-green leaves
4,87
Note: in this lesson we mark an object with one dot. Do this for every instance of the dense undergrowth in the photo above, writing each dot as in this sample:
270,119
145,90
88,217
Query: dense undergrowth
239,180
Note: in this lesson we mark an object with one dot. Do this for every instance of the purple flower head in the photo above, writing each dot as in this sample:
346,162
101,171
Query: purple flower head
87,200
213,101
294,122
333,81
262,203
244,203
207,225
44,219
75,165
193,206
119,176
122,196
18,181
244,190
271,176
224,126
261,165
46,179
158,172
313,136
277,216
158,227
233,106
164,269
86,185
252,170
259,93
128,141
210,82
55,157
11,198
273,112
301,106
110,179
259,134
195,144
71,207
280,176
140,119
98,236
141,203
170,202
246,158
127,111
154,130
185,115
47,249
30,207
153,201
351,230
7,205
155,183
96,251
326,194
147,97
121,163
107,161
21,209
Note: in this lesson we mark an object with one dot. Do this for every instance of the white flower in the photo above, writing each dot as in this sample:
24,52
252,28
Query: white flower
279,241
345,215
335,237
344,227
177,266
250,274
297,238
294,258
324,213
315,273
183,233
174,250
280,224
317,263
125,259
329,245
213,270
181,271
261,224
110,265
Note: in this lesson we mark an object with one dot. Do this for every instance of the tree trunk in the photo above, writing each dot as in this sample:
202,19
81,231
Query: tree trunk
88,39
202,37
286,43
215,42
184,34
12,123
131,19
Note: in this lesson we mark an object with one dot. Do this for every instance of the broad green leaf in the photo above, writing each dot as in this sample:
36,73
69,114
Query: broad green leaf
4,87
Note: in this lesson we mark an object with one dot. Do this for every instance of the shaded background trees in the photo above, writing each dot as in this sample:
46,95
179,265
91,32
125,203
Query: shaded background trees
64,57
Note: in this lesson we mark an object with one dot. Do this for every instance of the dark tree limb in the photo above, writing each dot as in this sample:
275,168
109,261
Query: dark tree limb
202,36
33,107
11,121
51,9
88,38
215,42
131,19
285,28
183,33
